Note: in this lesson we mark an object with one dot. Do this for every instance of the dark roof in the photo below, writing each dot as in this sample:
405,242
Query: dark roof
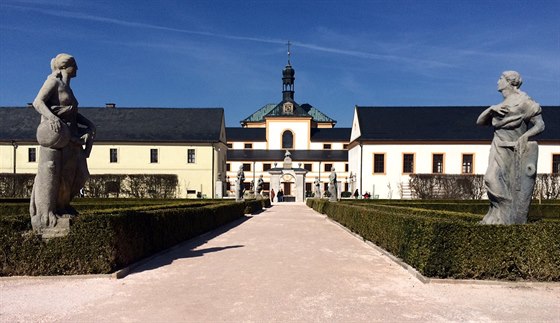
437,123
246,134
126,124
278,155
331,134
317,134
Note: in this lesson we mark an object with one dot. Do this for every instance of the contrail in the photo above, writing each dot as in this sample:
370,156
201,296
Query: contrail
331,50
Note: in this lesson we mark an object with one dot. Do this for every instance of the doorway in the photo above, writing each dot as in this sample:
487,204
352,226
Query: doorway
287,188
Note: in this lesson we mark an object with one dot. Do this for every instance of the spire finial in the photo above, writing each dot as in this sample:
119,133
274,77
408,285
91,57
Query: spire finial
289,52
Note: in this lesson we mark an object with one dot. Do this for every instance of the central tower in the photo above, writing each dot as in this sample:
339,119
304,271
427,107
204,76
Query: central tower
288,78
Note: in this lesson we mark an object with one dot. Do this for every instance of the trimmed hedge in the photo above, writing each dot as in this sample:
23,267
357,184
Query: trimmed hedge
548,210
103,243
440,244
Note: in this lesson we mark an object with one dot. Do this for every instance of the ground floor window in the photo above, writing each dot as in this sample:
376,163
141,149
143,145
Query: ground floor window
408,163
437,163
191,156
378,163
154,156
113,155
32,155
467,167
556,164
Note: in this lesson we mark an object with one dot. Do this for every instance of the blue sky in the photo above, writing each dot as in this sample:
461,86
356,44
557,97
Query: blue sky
230,54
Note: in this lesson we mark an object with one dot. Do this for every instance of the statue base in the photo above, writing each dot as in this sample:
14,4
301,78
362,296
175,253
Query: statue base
61,229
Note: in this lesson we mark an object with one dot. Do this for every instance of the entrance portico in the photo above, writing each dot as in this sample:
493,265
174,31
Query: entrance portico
291,180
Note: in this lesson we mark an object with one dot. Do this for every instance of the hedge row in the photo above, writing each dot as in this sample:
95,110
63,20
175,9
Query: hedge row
444,246
549,209
105,242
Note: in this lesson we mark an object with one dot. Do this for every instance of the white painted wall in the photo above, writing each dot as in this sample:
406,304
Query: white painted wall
299,128
387,185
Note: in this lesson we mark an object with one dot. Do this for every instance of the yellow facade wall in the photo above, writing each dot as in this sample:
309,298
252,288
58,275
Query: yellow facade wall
199,176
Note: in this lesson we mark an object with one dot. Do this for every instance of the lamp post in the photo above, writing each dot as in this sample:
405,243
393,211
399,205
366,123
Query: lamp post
15,145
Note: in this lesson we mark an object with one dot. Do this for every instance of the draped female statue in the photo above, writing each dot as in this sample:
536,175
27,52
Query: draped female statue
66,139
512,166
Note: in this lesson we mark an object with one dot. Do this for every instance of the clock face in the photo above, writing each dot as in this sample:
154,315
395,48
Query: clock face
288,108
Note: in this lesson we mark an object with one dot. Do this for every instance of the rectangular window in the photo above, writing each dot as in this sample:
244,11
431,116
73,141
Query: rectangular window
556,164
153,156
266,166
113,155
379,163
326,146
246,167
345,146
308,167
346,167
230,145
191,156
228,167
468,167
328,167
325,187
437,163
408,163
308,187
248,146
32,155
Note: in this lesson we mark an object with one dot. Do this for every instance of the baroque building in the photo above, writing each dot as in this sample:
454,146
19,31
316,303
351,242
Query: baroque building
308,134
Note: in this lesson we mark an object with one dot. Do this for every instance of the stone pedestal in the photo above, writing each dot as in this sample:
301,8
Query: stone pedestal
61,229
219,190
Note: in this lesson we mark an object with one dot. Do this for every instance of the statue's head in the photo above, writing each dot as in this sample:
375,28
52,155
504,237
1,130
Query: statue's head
64,62
513,78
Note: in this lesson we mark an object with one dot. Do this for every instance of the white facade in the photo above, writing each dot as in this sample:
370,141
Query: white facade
379,165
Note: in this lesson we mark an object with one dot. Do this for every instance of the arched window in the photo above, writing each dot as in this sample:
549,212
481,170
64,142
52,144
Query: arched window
287,139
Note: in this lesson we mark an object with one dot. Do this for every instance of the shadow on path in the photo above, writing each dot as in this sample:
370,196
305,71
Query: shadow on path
186,249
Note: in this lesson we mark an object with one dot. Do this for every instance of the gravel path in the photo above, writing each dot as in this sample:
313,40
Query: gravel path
288,263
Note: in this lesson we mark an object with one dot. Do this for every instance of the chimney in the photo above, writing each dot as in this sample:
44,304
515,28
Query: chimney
110,105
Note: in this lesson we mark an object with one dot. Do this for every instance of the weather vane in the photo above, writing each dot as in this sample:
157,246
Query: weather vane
289,52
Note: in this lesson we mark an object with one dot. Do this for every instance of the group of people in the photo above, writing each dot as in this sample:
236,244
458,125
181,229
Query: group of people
279,196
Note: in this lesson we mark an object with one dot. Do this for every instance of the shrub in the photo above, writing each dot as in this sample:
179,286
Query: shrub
103,243
453,245
444,186
16,185
253,206
547,186
160,186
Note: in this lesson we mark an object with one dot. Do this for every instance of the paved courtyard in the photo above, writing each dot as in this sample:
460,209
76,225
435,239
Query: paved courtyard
288,263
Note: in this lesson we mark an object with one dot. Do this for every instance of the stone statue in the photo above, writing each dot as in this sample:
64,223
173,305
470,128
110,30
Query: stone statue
239,185
333,189
317,183
260,183
66,139
512,166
